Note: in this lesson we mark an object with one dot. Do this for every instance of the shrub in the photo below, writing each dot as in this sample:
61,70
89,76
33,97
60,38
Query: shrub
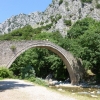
40,82
68,22
58,16
60,2
5,73
13,48
86,1
32,79
41,23
27,72
98,6
79,10
66,3
91,9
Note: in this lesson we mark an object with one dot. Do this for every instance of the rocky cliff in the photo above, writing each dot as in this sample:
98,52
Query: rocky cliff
61,13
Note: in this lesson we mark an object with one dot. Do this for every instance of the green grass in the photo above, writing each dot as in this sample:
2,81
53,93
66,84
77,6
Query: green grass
1,78
38,81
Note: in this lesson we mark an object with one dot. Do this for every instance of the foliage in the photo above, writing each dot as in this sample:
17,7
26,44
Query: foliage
84,37
41,23
58,16
68,22
86,1
60,2
5,73
13,48
66,3
1,78
39,81
27,72
25,33
98,6
80,27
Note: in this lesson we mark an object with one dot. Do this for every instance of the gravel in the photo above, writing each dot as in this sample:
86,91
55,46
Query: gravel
14,89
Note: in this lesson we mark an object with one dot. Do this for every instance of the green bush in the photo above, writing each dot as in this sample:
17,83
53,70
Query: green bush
41,23
13,48
27,72
85,43
60,2
40,82
86,1
66,3
32,79
98,6
5,73
58,16
68,22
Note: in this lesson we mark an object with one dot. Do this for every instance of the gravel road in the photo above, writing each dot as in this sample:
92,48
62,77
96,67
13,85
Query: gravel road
14,89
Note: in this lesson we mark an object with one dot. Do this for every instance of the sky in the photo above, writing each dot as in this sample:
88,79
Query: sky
10,8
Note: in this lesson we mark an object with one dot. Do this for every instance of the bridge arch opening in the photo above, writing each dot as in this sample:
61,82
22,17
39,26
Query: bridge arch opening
43,61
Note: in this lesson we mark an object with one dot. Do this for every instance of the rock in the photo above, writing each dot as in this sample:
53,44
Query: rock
95,96
52,82
56,85
60,89
98,92
49,77
87,93
92,92
69,10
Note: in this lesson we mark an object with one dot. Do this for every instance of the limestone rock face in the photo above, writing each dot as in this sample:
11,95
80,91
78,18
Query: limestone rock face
56,13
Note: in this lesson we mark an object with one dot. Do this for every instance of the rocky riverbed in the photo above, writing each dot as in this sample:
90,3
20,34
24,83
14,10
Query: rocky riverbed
81,89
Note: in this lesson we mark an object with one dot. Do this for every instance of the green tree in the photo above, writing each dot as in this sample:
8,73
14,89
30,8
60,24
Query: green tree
85,43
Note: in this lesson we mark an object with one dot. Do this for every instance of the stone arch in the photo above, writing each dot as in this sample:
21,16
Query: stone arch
68,59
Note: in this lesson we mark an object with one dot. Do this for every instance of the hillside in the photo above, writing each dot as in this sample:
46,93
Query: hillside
61,13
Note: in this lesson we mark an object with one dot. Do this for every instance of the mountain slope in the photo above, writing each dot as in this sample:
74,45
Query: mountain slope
59,12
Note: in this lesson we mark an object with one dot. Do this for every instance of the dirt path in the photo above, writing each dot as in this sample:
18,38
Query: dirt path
14,89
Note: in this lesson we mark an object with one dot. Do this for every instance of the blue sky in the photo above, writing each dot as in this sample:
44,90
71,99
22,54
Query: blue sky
9,8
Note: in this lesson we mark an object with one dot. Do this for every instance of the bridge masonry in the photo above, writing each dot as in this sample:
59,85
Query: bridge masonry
10,50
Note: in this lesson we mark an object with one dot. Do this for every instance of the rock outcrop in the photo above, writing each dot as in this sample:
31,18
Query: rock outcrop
57,13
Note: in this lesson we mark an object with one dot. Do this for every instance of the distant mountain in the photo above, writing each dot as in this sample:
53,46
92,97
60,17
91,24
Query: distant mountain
61,13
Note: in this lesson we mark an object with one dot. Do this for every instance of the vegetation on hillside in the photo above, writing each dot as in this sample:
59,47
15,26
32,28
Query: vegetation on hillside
86,1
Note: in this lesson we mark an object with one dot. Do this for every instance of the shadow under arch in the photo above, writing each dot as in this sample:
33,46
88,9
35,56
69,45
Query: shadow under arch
68,59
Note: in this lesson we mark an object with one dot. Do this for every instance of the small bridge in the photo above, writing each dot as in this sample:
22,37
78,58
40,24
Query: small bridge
10,50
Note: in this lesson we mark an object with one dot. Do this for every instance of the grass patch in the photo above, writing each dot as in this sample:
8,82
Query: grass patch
5,73
1,78
38,81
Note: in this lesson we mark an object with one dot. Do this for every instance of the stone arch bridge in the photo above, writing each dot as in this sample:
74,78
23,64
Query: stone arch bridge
10,50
